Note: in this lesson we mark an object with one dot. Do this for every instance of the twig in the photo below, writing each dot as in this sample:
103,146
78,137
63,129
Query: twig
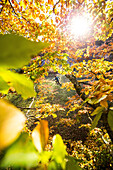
55,6
26,108
2,6
94,74
13,8
78,89
86,83
30,106
17,14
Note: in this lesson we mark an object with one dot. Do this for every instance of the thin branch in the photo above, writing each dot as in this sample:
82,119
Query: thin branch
86,83
26,108
78,89
30,106
13,8
17,14
55,6
94,74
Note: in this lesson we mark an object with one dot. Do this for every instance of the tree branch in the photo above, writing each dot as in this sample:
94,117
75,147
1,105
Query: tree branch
30,106
78,89
17,14
26,108
86,83
13,8
94,74
55,6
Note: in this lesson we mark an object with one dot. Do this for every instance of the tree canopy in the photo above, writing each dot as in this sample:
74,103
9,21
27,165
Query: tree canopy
71,37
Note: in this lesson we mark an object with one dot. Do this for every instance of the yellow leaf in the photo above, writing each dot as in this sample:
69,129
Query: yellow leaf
22,4
40,135
11,123
104,103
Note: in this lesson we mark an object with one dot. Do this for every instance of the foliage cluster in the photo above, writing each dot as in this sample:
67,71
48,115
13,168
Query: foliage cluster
96,151
46,26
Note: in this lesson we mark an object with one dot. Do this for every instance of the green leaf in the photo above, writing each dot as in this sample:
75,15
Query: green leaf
54,166
71,163
3,86
22,84
16,51
98,110
96,119
110,119
21,153
59,150
44,157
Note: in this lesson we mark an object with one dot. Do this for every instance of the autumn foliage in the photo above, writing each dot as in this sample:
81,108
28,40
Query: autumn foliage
36,37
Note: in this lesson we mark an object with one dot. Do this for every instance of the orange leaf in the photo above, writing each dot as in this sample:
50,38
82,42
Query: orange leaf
40,135
50,2
104,103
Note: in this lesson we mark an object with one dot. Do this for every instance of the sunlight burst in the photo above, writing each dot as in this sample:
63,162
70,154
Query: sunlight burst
79,26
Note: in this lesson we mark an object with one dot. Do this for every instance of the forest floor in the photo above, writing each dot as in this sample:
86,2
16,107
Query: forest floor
68,126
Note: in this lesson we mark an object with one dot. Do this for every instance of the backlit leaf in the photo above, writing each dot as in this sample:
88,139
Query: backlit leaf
59,150
16,51
104,103
3,86
11,123
22,84
54,166
102,98
98,110
40,135
21,153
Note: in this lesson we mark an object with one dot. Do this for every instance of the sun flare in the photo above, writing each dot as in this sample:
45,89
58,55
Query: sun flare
79,26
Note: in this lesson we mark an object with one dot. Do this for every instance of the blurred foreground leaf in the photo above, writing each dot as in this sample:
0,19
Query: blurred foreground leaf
16,51
40,135
3,86
21,153
11,123
22,84
59,150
